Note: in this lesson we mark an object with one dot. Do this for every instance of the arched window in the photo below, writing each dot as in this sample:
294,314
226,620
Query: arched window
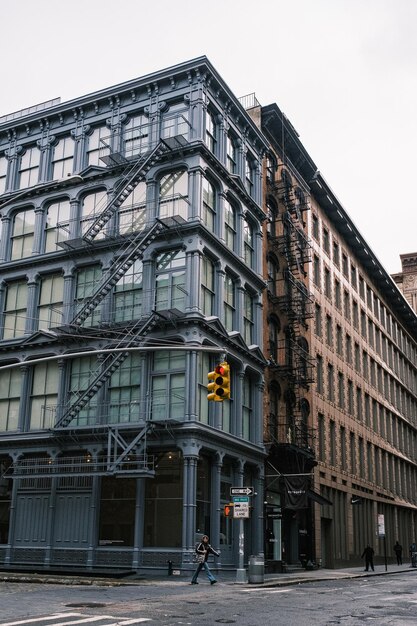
23,233
272,280
209,204
272,216
229,303
273,332
207,286
230,225
173,194
248,243
92,204
57,224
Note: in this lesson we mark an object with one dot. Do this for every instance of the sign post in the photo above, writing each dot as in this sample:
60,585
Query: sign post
240,496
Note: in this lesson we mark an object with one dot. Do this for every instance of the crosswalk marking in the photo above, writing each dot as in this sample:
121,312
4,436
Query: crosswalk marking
84,619
40,619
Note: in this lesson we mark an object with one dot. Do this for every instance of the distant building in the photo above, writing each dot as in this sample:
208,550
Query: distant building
347,442
406,280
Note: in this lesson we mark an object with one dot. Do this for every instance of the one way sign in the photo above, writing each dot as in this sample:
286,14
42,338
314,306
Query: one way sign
242,491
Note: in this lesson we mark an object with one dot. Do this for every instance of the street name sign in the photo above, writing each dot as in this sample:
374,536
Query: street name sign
242,491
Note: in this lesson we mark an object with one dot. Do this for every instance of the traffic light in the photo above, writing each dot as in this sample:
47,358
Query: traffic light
228,510
219,383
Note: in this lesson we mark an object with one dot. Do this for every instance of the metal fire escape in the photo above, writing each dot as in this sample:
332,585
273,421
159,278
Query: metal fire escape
120,452
294,363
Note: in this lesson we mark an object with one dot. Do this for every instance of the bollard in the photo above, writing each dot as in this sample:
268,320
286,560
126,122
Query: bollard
169,568
256,569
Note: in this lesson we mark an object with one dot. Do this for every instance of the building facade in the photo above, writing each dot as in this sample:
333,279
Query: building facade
131,263
345,437
406,280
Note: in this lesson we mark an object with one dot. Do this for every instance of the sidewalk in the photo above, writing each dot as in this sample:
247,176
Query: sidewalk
224,577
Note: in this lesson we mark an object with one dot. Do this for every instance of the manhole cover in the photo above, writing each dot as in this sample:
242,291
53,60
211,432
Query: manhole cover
85,605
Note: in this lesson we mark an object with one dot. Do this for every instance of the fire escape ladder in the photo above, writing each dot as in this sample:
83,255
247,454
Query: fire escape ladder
110,364
129,181
136,448
123,262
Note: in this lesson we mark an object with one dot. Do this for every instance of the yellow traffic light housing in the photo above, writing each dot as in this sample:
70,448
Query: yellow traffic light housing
219,385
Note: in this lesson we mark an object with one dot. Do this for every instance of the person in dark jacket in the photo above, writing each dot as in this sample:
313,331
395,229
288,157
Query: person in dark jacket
398,549
368,553
203,550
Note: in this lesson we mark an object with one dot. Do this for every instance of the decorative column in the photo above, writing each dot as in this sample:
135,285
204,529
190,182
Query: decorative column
191,386
258,512
12,515
94,510
219,279
237,426
193,282
31,308
61,397
139,523
189,498
39,231
195,193
68,296
51,520
5,240
258,413
216,509
24,412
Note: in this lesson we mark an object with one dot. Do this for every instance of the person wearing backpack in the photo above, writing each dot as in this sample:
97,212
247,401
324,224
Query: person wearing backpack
203,549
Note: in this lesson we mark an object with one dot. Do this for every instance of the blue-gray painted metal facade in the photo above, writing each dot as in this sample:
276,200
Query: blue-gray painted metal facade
130,217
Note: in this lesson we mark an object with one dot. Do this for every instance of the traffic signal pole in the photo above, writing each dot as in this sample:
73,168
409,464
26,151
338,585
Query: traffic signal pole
241,576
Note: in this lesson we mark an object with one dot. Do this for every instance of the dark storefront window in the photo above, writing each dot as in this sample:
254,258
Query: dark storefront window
163,503
203,496
117,511
5,500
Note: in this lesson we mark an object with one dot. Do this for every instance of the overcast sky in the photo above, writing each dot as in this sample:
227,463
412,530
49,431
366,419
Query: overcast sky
343,71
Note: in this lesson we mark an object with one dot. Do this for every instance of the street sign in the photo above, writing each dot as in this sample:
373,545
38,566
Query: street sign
241,509
242,491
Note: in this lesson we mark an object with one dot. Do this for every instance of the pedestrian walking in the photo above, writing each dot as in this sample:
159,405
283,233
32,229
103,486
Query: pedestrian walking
413,554
398,549
368,553
203,551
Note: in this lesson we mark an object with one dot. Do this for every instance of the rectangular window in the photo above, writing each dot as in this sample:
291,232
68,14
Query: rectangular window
229,225
98,146
209,204
136,136
23,234
327,283
343,462
44,396
82,374
326,240
352,453
345,265
248,249
336,254
348,349
337,295
357,358
316,271
346,305
92,205
207,286
317,324
57,225
321,438
329,330
315,226
170,281
168,386
128,294
3,173
355,310
247,409
339,340
210,132
319,374
15,311
359,409
248,319
124,391
353,279
341,390
87,280
51,301
10,393
29,168
132,213
350,398
231,155
229,303
63,158
330,383
332,443
173,195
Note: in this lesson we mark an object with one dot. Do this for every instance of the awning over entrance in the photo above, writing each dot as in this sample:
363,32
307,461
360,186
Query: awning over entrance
317,497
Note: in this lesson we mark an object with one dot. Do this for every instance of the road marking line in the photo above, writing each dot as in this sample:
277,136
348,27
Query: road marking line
40,619
85,620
